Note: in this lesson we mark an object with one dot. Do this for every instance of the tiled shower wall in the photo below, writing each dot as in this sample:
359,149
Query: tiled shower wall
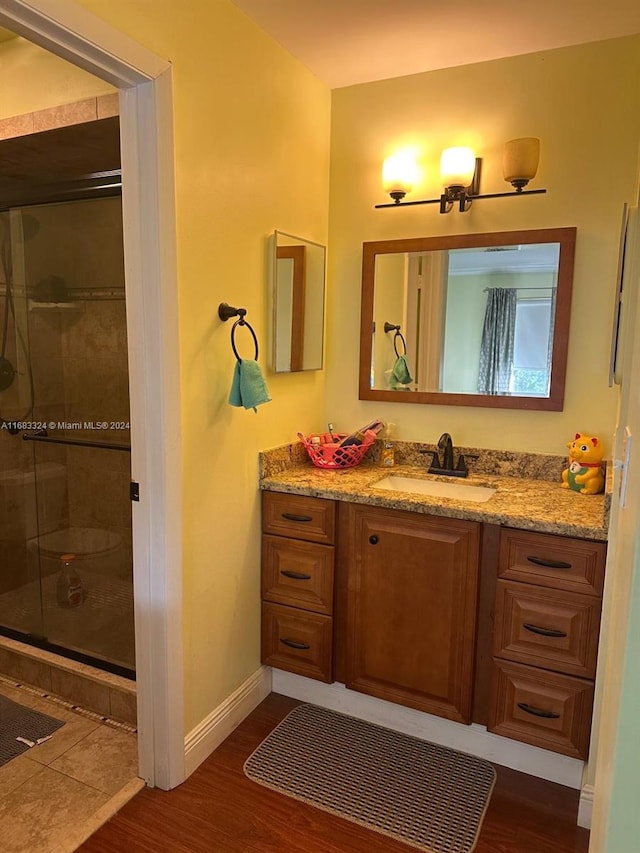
79,344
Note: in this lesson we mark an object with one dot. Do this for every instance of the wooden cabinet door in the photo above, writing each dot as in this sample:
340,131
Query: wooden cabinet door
411,609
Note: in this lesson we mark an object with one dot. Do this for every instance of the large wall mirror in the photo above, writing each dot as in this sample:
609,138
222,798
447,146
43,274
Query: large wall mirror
468,320
297,303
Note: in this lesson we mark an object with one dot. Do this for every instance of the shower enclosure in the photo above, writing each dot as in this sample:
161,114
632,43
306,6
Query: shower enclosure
66,578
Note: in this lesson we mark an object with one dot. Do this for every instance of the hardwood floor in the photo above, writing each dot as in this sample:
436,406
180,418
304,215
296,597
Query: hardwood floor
219,810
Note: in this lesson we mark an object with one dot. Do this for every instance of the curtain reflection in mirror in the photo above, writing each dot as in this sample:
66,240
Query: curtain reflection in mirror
498,338
516,347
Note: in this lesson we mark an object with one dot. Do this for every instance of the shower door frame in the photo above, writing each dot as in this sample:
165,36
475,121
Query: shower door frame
146,128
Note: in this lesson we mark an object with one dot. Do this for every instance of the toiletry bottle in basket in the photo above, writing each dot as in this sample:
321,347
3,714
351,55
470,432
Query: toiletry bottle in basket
69,589
358,436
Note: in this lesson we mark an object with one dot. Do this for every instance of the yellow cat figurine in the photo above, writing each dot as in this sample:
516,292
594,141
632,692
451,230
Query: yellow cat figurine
584,473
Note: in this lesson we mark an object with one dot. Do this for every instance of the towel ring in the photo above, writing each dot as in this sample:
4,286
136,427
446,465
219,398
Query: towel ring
243,322
226,312
389,327
395,344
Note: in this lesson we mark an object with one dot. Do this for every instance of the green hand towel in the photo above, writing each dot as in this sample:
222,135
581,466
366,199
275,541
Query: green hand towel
248,387
400,374
234,395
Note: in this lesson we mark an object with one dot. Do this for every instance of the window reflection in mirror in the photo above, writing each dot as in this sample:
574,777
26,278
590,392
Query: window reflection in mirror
297,308
484,317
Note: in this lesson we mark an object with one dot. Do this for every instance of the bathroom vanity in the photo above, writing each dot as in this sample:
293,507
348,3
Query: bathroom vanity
484,612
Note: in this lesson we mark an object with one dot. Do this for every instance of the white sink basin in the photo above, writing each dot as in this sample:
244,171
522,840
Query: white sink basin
435,488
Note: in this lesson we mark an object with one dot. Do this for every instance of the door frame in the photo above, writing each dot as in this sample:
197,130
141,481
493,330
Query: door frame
148,198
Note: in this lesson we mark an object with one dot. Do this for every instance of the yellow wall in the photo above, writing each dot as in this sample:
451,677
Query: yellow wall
252,155
35,80
582,103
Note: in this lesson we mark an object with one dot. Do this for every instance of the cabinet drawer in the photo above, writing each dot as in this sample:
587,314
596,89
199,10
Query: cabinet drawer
541,708
548,628
299,574
299,517
297,641
555,561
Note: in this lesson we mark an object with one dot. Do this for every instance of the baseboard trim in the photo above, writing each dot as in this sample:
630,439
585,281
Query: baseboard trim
474,739
585,807
209,734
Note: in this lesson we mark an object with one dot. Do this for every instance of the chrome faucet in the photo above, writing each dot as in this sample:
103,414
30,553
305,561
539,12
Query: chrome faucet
445,444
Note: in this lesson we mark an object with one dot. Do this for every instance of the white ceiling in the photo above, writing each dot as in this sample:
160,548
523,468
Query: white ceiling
356,41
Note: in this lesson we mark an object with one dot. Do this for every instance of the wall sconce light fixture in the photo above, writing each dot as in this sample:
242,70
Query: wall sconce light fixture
460,175
399,174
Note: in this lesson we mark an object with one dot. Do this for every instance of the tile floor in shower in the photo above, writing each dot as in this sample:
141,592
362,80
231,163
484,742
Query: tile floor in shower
56,794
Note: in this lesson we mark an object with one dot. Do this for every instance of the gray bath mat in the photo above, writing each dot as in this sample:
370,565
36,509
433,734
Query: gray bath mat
16,721
425,795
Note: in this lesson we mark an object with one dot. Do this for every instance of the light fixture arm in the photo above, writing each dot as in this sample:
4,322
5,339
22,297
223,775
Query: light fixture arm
468,198
456,194
520,163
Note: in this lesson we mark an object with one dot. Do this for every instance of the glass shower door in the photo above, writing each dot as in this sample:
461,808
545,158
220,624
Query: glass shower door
20,587
68,472
86,561
20,593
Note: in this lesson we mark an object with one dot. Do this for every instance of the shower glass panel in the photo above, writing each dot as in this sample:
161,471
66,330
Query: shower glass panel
18,511
66,574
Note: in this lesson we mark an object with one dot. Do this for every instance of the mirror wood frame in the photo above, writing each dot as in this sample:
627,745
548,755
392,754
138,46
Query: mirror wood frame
566,237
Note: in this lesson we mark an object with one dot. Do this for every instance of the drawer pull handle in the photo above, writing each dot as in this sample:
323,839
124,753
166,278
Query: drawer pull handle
296,576
538,712
293,644
373,540
551,564
546,632
290,516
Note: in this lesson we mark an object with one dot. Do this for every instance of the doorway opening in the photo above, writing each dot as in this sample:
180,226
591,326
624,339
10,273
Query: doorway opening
146,115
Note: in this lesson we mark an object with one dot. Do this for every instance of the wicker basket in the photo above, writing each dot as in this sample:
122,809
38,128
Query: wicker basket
328,454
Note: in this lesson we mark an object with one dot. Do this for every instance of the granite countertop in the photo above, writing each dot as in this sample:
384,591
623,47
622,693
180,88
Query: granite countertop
522,502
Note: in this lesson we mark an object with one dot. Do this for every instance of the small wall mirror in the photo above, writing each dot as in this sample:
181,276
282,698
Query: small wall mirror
468,320
297,310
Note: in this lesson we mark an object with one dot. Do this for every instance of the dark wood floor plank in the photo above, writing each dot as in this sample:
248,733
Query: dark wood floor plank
219,810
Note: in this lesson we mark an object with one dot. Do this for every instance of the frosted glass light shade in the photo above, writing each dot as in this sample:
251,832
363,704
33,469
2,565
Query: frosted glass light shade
399,173
457,166
520,160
